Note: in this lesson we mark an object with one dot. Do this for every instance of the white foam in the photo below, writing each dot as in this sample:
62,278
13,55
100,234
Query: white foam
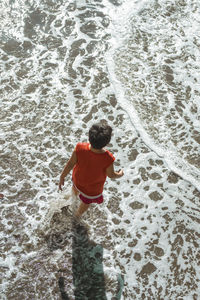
166,150
143,213
63,199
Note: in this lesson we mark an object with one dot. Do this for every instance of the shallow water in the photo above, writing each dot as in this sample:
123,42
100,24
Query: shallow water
157,63
65,65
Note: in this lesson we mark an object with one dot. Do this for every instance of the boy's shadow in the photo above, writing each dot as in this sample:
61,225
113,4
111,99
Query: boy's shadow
88,275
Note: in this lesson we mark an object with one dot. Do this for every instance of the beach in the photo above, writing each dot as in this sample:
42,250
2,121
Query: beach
64,66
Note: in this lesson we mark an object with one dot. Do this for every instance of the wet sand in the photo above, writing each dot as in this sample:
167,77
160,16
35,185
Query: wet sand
143,242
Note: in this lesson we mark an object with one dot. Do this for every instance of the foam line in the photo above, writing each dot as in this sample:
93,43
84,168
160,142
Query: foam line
135,121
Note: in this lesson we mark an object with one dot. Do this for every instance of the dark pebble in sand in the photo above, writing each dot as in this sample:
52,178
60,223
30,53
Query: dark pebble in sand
116,221
136,181
133,243
132,155
172,178
155,196
1,196
155,176
159,251
196,136
136,205
148,269
90,28
137,256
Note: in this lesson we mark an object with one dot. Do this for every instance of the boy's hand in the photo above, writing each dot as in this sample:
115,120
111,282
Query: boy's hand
120,173
61,183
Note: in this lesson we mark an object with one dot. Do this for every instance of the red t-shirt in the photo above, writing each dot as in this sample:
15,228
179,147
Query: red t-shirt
89,173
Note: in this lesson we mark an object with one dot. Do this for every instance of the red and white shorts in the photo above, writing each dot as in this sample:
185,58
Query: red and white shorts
89,199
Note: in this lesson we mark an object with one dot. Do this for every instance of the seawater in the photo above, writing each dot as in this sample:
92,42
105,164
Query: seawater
156,60
65,65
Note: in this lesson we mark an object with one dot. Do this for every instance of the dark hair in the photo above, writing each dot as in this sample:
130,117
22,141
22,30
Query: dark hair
100,135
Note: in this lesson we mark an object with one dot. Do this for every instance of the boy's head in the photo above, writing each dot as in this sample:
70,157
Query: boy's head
100,135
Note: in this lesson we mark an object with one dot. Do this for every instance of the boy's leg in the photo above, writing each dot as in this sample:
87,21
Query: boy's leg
82,208
76,192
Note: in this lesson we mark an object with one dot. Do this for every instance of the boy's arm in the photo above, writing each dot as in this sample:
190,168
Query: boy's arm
69,166
111,173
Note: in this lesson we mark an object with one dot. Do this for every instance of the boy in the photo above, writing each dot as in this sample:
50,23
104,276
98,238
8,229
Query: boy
91,164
